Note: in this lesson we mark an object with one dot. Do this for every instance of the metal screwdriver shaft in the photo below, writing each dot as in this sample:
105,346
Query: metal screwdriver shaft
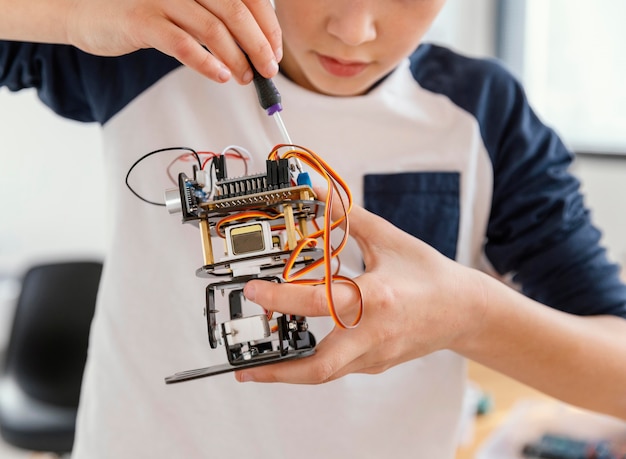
282,128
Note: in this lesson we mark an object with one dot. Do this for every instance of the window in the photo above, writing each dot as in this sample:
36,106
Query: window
571,58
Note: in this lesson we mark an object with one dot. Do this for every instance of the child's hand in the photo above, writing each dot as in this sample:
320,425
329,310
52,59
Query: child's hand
416,301
181,28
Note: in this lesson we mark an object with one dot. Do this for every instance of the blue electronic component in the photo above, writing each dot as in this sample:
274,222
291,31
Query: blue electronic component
304,179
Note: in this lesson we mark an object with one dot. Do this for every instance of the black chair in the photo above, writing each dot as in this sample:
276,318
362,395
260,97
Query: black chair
45,358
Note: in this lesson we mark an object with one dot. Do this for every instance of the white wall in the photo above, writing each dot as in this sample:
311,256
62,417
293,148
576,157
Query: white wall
467,26
50,184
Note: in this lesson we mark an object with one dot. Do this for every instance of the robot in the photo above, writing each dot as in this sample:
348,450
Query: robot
265,221
269,226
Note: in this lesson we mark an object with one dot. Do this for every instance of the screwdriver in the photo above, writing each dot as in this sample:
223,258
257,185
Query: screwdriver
271,101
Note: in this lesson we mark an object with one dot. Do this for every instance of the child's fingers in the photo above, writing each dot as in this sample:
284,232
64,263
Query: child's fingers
264,13
227,28
174,41
209,36
333,358
305,300
231,26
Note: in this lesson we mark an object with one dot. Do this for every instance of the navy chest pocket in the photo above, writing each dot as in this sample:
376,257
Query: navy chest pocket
423,204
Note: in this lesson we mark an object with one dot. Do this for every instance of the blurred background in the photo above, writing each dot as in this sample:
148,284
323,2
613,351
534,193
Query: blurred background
568,54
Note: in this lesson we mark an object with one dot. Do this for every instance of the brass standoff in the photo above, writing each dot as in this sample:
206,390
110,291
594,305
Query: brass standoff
290,225
302,222
207,247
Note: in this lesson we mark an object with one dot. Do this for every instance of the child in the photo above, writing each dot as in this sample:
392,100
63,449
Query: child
443,147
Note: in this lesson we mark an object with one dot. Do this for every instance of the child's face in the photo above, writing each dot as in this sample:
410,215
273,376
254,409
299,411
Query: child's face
343,47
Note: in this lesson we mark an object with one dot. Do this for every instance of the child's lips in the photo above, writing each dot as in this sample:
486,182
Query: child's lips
341,67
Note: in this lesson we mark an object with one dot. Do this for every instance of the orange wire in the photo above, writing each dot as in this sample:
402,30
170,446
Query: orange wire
335,185
243,216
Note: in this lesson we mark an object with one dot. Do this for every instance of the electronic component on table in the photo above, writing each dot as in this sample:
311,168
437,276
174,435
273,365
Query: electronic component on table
552,446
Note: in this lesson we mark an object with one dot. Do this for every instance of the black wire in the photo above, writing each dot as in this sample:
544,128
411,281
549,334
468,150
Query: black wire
212,170
161,150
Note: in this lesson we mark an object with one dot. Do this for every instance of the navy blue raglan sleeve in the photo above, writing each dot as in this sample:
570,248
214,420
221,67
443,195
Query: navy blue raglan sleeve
78,85
539,229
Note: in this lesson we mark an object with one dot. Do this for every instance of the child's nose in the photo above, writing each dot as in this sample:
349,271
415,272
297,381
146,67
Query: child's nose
353,25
